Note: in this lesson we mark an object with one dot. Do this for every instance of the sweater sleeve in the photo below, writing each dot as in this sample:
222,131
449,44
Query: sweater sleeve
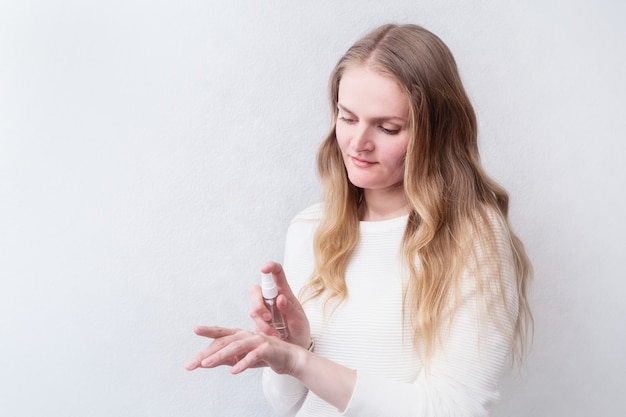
284,393
464,371
461,380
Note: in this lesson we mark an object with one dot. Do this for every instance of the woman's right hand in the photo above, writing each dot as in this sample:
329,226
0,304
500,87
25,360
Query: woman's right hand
288,304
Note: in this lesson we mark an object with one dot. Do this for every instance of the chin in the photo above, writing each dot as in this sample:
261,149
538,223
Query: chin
362,183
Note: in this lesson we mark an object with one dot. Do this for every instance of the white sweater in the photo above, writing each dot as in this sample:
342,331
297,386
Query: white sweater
366,333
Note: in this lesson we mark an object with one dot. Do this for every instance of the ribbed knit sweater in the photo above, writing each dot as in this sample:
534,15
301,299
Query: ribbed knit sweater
367,333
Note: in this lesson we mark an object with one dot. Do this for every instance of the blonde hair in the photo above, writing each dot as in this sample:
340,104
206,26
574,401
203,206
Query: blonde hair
452,200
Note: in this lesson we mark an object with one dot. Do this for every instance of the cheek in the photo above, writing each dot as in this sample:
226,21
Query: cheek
342,137
401,159
399,168
397,156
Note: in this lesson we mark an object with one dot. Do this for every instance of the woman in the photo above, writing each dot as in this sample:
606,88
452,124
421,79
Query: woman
412,286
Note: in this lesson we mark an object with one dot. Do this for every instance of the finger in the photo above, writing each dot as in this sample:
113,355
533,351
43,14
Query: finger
263,327
278,274
254,358
222,337
258,310
214,332
192,364
230,351
260,313
248,361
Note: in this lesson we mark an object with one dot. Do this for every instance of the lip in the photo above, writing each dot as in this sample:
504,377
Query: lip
361,163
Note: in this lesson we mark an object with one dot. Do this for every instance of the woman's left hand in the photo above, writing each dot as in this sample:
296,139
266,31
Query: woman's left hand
243,349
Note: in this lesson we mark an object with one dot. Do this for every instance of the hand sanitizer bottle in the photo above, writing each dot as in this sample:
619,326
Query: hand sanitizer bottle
268,288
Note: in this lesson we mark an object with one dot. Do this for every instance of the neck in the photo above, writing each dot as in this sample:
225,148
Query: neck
383,205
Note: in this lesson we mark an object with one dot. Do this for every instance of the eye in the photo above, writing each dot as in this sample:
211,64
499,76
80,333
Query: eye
347,120
389,131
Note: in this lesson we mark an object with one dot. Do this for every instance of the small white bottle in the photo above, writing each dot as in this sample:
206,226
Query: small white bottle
270,292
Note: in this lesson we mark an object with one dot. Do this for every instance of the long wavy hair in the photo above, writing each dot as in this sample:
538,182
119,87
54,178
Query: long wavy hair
452,199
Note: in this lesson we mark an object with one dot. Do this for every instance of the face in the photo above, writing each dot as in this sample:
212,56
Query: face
372,129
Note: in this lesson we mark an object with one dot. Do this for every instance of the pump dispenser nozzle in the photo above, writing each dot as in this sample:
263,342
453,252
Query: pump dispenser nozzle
270,292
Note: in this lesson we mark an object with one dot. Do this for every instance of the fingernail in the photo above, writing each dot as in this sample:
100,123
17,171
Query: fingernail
208,361
267,316
192,364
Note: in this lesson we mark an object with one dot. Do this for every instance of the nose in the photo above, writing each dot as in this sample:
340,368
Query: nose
361,141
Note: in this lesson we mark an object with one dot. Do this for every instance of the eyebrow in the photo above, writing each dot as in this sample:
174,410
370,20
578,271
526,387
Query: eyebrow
377,119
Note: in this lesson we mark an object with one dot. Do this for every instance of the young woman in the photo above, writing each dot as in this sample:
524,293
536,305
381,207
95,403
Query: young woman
411,285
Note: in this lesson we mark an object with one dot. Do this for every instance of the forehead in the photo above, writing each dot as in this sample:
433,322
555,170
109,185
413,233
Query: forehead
364,90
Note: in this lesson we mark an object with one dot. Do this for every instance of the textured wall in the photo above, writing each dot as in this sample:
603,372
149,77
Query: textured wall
153,152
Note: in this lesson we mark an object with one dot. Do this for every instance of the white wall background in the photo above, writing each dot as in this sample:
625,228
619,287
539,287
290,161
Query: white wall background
153,152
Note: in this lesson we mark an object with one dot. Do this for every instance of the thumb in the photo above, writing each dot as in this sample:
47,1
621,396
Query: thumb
283,304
